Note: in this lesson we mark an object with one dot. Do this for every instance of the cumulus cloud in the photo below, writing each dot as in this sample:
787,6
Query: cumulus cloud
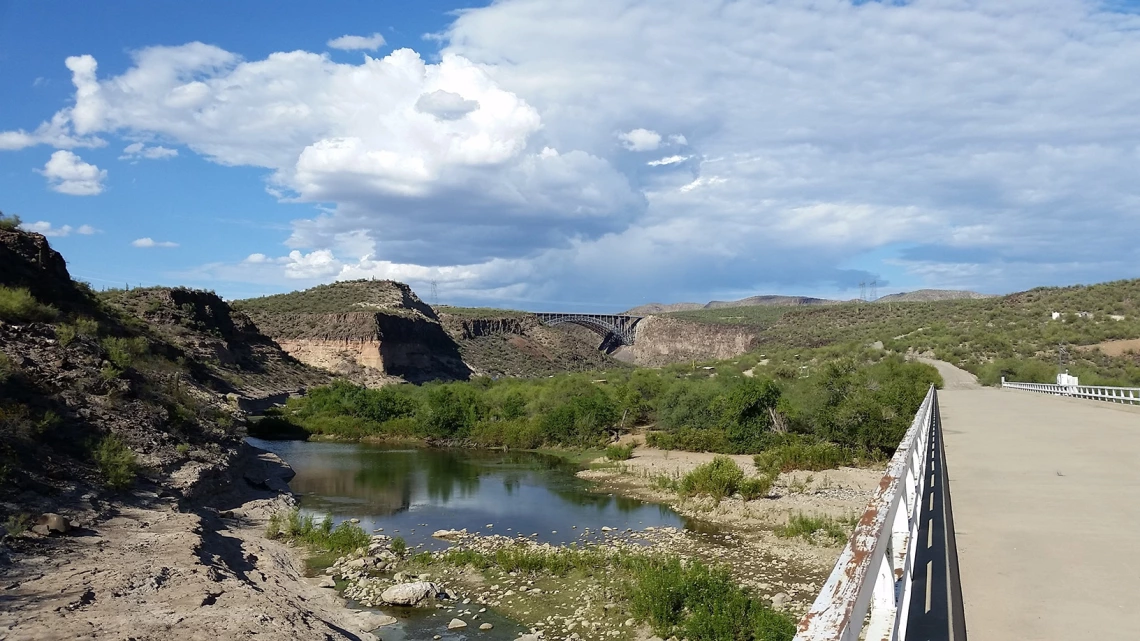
640,140
51,231
979,143
150,242
137,150
353,43
66,173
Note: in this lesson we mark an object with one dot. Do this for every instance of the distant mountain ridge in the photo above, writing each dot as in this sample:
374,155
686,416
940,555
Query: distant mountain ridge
927,295
795,301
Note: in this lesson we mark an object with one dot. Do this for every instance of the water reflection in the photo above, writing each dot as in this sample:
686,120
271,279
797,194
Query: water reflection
403,489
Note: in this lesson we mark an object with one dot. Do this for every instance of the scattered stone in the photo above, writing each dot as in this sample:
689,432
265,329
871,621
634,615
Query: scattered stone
448,534
486,626
372,620
779,600
410,593
456,624
327,582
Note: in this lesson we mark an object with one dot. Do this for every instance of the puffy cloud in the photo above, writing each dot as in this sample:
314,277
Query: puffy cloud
150,242
352,43
979,144
139,150
51,231
640,140
68,174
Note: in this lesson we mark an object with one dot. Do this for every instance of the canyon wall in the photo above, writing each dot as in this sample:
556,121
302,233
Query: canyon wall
662,340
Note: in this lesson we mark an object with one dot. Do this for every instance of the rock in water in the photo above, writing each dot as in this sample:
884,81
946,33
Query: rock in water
456,624
410,593
448,534
373,620
486,626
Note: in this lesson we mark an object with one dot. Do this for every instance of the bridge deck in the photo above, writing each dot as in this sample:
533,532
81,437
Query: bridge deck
1046,497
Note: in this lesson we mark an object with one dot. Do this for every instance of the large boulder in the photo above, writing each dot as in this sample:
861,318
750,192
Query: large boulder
411,593
372,620
51,523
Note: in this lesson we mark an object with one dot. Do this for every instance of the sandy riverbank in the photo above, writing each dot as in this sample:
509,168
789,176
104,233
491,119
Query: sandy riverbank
152,568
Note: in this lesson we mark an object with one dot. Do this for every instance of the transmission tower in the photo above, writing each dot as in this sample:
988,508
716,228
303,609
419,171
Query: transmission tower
875,290
862,290
434,294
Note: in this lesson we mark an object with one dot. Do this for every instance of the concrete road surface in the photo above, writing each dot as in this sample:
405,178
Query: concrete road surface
1046,494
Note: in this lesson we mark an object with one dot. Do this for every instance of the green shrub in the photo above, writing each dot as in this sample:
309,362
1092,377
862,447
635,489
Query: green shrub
804,456
399,546
110,373
17,524
718,478
756,487
82,327
701,603
17,305
116,461
619,452
122,352
10,223
817,529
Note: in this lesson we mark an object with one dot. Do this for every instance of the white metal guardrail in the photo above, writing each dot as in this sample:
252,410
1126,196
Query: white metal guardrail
1128,395
898,575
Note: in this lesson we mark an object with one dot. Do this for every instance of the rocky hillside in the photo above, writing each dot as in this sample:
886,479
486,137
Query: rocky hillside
92,395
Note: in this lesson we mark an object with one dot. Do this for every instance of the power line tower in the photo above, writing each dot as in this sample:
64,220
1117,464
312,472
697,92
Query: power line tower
875,290
434,294
863,290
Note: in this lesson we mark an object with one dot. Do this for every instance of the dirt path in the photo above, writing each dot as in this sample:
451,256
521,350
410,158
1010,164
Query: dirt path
955,378
152,571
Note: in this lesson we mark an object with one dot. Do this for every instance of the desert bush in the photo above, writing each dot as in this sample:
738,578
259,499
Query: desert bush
10,223
399,546
66,333
719,478
17,524
814,456
123,352
756,487
116,461
619,452
17,305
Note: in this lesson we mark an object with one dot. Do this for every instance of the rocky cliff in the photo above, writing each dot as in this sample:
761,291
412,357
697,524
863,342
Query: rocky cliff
662,340
506,343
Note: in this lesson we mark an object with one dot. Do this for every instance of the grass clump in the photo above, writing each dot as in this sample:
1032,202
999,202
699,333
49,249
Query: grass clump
817,529
122,352
619,452
719,478
399,546
701,603
304,529
17,305
814,457
116,461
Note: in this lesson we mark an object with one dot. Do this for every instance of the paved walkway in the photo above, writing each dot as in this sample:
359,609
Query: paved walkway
1046,495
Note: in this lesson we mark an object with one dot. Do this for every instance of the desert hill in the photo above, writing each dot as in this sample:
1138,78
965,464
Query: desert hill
926,295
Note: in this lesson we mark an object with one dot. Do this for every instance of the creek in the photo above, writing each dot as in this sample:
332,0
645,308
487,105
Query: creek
412,492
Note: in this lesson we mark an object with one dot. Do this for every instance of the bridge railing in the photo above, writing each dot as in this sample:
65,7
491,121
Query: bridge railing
899,571
1127,395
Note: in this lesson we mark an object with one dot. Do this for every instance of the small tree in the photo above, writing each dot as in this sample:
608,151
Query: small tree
9,223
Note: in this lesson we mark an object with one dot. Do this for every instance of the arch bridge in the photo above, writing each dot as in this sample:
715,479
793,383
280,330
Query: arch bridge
615,329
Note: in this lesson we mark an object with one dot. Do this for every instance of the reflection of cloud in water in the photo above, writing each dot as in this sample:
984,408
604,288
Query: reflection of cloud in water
456,489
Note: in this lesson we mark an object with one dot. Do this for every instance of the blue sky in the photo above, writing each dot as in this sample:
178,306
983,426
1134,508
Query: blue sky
590,155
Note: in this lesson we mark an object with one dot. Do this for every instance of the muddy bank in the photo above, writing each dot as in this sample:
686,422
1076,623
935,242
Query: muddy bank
153,567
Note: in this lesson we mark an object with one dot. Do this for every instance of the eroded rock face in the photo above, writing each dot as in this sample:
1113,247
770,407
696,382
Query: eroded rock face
662,340
411,594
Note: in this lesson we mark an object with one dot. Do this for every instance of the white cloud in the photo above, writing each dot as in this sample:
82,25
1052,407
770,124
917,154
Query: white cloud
51,231
981,138
139,150
150,242
640,140
351,43
68,174
668,160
